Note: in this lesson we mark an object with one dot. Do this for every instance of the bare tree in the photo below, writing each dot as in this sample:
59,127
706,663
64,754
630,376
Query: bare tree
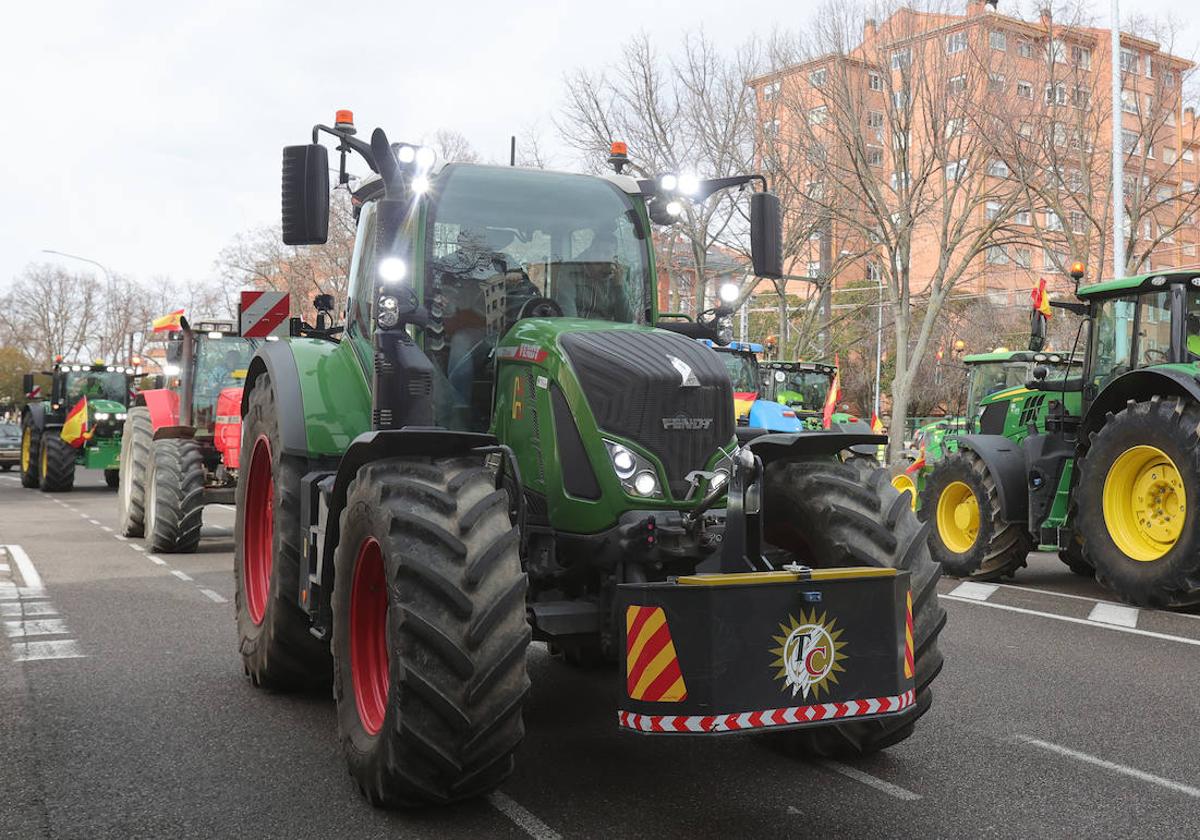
50,311
453,147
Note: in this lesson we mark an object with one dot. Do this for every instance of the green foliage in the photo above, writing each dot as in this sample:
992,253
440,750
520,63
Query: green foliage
13,365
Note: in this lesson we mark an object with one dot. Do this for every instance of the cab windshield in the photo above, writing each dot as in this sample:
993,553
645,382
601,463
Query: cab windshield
742,372
97,385
1113,348
992,377
220,363
804,389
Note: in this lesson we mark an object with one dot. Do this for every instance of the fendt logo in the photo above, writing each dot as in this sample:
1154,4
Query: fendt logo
681,422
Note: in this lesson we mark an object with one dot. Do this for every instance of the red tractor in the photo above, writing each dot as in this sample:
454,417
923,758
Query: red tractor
179,451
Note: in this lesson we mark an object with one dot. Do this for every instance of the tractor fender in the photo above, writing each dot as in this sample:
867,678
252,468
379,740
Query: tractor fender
163,404
275,358
1005,462
377,446
809,444
1138,385
36,412
774,417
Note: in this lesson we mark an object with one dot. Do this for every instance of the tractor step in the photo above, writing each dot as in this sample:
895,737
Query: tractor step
765,650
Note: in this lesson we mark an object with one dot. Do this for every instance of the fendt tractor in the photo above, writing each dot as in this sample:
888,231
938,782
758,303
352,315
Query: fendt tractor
506,444
1107,475
79,424
181,443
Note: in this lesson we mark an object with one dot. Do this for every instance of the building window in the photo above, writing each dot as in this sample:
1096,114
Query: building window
996,255
1187,187
1023,217
1052,260
1129,142
1026,131
998,169
1188,155
875,155
1129,102
1081,57
1080,97
1056,94
1168,78
899,99
875,119
1025,90
991,211
1053,221
771,128
1056,51
814,269
998,40
955,170
771,91
873,272
1025,48
954,127
901,59
956,43
957,84
817,77
1130,61
1078,220
997,83
1023,257
875,81
818,115
1150,151
1165,194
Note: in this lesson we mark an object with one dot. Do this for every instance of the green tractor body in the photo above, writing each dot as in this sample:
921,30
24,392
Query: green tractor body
1105,471
503,444
78,425
803,387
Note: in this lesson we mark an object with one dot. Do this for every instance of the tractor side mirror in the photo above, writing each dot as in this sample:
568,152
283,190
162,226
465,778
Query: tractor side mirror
1037,331
305,194
766,235
27,384
1040,372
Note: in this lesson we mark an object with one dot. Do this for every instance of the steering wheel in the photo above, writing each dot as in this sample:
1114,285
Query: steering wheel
1162,355
540,307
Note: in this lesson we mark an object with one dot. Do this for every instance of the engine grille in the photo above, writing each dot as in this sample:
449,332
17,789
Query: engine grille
632,386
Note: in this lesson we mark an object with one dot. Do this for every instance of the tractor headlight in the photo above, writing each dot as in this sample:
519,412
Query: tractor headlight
119,416
392,270
718,480
389,312
645,484
102,415
624,464
637,474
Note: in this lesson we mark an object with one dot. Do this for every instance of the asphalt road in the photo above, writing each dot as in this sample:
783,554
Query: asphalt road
124,713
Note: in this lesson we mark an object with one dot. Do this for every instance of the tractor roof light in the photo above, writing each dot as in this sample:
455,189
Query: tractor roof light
675,208
420,185
425,158
728,292
343,120
392,270
689,184
1077,270
668,183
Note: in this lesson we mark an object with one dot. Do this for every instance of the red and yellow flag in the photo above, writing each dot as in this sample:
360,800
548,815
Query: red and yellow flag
1040,297
835,394
75,429
876,424
168,323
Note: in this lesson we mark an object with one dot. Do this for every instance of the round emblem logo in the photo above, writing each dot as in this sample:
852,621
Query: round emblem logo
809,654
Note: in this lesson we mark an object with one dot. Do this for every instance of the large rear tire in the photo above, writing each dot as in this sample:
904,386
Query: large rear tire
429,632
277,650
175,496
1139,485
57,464
827,515
968,537
30,453
137,440
1073,557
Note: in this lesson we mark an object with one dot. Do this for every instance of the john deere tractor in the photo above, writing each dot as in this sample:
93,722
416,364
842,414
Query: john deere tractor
505,445
181,443
750,406
78,424
1108,475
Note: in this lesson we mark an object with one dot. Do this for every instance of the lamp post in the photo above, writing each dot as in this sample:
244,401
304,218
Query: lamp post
1118,146
107,276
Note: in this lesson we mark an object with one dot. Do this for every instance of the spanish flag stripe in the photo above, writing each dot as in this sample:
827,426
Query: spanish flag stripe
636,664
653,670
666,681
656,621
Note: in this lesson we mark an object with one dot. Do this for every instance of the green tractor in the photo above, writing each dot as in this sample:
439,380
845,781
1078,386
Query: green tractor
803,387
503,443
78,424
1106,475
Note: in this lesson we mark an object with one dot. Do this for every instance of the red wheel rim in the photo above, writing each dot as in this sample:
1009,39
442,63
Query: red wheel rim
259,530
368,636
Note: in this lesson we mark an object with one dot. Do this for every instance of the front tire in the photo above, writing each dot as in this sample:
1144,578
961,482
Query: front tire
137,440
175,496
57,464
30,453
277,650
825,514
1139,484
429,632
968,537
112,478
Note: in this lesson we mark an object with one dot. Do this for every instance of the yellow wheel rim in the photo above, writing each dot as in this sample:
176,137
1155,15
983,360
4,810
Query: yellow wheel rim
1145,505
904,483
45,460
26,449
958,517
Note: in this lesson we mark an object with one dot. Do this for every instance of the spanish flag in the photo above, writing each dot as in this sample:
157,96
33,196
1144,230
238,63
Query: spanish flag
876,424
1041,299
835,394
168,323
75,429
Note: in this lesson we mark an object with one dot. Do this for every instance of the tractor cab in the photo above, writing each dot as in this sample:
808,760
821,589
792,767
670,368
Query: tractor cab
998,380
205,363
751,405
801,386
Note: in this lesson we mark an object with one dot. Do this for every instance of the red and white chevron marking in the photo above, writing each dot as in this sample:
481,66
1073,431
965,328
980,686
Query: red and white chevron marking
768,717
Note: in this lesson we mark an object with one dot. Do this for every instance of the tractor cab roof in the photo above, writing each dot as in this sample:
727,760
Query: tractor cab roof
1138,284
371,186
1040,357
819,367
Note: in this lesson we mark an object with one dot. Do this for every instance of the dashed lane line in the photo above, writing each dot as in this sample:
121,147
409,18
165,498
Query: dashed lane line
215,596
94,521
1117,614
1071,620
181,575
525,820
1125,770
106,528
157,561
871,781
973,591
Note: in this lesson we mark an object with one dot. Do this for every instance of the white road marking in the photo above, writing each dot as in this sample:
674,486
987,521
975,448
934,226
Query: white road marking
1019,588
35,627
1117,614
1132,630
157,561
29,608
1124,770
121,538
106,528
137,547
94,521
871,781
33,581
180,574
215,596
56,649
973,591
530,824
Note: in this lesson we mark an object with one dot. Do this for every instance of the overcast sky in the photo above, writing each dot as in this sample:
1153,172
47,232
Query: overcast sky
145,135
